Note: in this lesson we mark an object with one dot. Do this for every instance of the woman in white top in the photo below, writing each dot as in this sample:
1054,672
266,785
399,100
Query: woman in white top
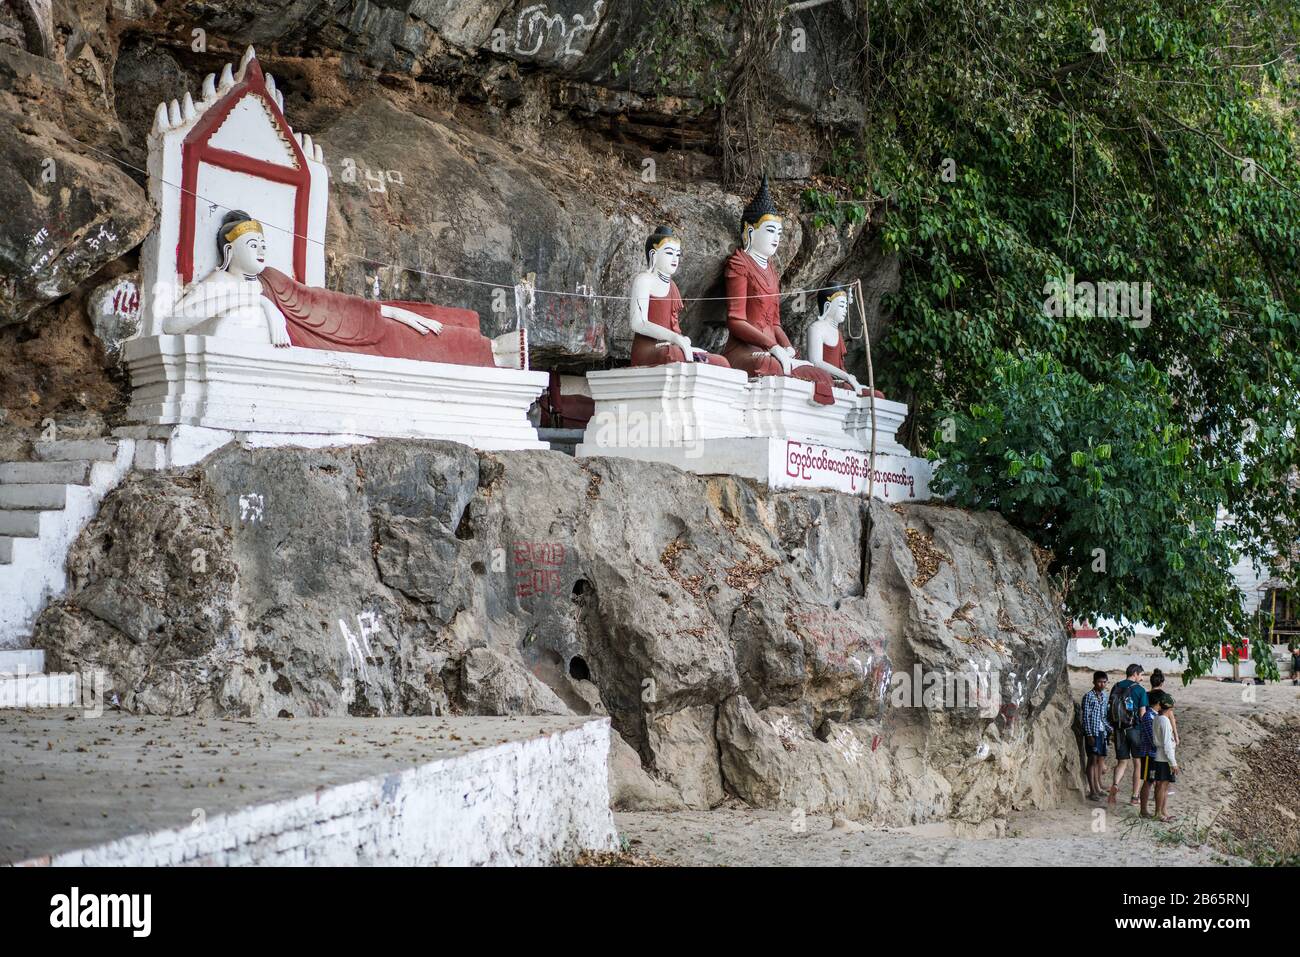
1163,771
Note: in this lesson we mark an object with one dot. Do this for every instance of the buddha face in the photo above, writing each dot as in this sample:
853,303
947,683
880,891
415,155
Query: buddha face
836,308
666,257
248,254
762,240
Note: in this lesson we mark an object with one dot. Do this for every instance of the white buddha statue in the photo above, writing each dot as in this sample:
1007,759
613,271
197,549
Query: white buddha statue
825,339
655,304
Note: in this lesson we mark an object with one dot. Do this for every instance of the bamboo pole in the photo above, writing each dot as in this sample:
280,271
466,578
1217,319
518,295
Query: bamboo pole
871,388
1272,620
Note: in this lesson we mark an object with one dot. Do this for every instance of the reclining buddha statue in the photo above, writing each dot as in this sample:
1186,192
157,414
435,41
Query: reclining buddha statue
243,298
757,343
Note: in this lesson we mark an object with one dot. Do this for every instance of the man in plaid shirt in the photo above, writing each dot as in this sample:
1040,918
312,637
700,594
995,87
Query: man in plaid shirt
1095,731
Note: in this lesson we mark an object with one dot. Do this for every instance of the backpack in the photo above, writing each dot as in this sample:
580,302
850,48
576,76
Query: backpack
1121,707
1148,730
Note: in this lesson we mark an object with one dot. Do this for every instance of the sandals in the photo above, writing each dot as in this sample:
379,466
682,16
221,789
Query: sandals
1168,819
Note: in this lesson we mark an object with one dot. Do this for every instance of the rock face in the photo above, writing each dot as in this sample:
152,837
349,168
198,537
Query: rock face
483,140
478,206
67,214
745,643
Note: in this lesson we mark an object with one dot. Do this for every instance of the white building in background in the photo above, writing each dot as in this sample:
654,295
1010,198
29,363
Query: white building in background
1262,597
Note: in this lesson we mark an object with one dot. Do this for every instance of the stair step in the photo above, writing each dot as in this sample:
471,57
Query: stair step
20,524
41,497
38,691
15,661
6,551
72,472
66,450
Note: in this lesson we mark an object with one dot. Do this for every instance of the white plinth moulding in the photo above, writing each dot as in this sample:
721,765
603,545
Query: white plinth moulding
714,421
666,405
226,384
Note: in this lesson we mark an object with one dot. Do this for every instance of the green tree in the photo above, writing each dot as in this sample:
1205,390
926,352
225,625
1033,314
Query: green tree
1134,141
1103,477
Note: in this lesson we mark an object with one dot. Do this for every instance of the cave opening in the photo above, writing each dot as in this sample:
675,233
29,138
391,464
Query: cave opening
578,669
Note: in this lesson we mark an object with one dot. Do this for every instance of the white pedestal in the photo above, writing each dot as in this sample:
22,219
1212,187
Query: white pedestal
889,419
790,464
289,396
668,405
712,421
782,407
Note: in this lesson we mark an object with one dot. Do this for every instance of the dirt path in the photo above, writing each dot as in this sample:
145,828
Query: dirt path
1216,722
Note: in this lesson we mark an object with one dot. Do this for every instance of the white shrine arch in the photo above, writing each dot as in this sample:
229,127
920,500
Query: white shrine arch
233,149
191,393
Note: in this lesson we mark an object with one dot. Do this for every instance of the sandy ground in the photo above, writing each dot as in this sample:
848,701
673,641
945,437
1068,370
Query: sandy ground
1215,721
71,781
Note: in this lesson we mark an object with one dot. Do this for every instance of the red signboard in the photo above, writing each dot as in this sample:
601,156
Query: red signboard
1243,652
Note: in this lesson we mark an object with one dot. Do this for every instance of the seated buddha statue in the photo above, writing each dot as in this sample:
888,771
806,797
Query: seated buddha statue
243,298
825,339
655,305
757,343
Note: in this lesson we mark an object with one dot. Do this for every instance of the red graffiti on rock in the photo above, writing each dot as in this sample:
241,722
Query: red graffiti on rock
537,568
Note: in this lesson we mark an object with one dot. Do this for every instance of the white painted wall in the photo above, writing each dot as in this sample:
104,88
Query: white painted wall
532,802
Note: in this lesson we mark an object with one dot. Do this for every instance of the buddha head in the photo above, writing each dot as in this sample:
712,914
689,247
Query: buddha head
241,244
833,304
760,224
663,251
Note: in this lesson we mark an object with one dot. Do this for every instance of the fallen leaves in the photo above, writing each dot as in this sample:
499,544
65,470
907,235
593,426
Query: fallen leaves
617,859
1263,809
746,573
669,559
926,556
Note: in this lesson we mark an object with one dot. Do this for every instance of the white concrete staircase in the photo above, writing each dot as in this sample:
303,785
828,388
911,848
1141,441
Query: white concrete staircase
44,505
24,683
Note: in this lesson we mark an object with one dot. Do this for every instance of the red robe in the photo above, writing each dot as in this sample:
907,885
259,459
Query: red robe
663,311
322,319
834,355
754,324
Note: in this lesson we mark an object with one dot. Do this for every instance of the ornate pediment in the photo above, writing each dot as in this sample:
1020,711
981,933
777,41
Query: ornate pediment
232,148
252,128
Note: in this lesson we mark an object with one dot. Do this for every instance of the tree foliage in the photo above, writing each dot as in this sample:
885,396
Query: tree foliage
1103,476
1135,141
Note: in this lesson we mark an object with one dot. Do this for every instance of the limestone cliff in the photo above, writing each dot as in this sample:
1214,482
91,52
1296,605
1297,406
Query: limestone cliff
485,140
741,640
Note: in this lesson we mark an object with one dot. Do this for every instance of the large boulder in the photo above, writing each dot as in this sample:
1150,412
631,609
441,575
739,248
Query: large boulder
68,212
443,199
746,643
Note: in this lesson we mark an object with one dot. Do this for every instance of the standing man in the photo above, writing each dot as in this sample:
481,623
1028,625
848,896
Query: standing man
1128,703
1095,731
